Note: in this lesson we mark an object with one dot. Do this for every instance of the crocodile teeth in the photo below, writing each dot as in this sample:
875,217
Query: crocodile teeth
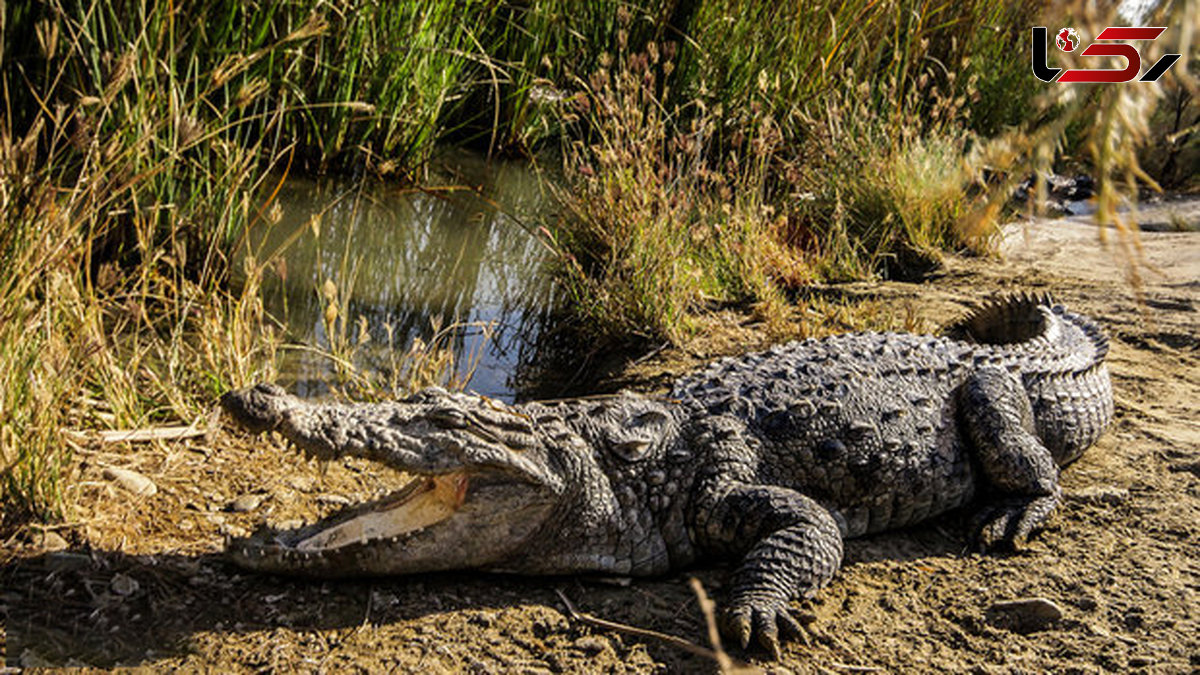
421,503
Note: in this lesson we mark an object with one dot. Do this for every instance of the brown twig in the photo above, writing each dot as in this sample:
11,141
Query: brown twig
633,630
709,609
724,662
137,435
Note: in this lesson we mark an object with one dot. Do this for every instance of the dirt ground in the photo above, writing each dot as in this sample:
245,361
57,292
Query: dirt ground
138,580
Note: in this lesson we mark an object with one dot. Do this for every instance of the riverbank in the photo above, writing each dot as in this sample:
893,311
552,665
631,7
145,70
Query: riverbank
138,580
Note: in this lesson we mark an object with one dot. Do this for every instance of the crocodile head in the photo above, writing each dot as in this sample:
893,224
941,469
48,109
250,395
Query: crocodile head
488,478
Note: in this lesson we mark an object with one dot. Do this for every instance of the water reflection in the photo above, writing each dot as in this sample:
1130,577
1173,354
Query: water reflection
410,259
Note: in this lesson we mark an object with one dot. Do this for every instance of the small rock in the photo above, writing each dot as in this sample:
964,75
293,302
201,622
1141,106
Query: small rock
244,503
302,483
50,541
131,480
124,585
233,530
292,524
1025,615
484,619
1100,494
592,644
333,499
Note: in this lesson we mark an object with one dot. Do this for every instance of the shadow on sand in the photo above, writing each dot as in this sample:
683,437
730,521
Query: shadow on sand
105,608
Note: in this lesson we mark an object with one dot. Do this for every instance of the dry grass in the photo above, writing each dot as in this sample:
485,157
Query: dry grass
662,222
652,231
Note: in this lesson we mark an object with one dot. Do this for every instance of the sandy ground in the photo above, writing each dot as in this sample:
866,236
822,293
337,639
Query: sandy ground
138,580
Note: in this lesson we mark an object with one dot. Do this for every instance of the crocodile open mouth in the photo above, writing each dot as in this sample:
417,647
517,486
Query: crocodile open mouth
424,501
465,518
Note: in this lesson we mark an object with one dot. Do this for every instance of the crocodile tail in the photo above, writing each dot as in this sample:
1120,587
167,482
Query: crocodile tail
1016,318
1008,319
1095,334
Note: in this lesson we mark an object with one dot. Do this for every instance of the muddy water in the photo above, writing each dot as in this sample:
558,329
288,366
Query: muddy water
400,263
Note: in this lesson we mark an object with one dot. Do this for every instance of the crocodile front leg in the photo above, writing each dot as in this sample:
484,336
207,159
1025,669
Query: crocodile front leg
998,419
795,549
790,546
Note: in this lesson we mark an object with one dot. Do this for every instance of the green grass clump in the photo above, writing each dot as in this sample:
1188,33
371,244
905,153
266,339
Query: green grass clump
887,193
346,84
650,231
120,198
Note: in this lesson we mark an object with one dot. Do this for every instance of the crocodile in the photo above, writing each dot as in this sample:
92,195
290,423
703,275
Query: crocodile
769,459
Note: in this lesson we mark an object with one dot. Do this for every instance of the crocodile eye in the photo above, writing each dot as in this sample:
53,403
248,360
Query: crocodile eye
448,418
632,451
652,417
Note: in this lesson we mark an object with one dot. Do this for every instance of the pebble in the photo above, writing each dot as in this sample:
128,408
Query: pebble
302,483
244,503
485,619
1100,494
131,480
592,644
1024,615
124,585
50,541
333,499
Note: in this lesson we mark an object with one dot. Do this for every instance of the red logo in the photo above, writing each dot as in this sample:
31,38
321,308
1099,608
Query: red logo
1067,40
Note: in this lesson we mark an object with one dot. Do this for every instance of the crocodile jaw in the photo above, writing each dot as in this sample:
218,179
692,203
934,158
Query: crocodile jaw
421,503
456,520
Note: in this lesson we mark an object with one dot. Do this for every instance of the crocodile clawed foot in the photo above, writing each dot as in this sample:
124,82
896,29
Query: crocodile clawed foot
763,624
1008,523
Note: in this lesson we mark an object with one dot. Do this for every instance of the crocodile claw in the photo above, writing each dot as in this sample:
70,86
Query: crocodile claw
1007,524
763,624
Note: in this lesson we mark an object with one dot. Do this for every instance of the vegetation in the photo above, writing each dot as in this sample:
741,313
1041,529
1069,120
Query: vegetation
770,163
713,151
781,145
